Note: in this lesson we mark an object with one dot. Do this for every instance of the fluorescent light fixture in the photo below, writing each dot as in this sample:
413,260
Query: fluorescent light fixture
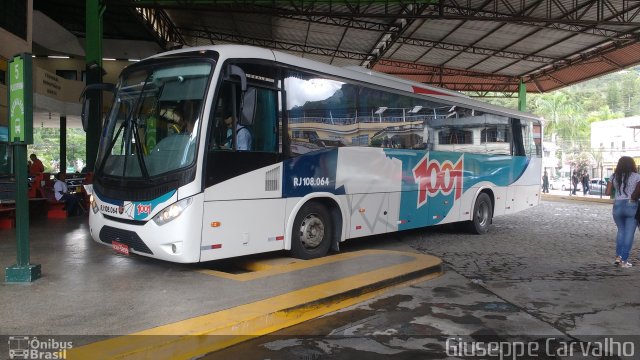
57,57
108,59
133,60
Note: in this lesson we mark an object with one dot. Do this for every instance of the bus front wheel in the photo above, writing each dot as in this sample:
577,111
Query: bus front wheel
311,232
482,215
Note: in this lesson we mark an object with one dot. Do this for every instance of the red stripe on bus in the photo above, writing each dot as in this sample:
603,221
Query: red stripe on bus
418,90
216,246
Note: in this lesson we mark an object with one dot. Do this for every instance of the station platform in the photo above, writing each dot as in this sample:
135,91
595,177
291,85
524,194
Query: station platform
99,299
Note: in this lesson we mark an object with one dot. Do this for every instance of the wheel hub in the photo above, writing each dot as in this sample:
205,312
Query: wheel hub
482,215
311,231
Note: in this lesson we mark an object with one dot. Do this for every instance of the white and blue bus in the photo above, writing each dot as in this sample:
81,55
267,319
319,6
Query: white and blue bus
222,151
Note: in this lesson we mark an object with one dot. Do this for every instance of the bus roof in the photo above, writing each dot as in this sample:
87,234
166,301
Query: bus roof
354,73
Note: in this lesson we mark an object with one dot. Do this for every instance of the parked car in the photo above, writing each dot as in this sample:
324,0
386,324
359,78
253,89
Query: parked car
555,183
562,184
597,186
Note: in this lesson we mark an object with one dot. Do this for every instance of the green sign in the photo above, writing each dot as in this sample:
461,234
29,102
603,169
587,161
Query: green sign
20,99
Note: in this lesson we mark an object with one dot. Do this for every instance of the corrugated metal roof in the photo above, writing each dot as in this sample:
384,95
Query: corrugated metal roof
481,45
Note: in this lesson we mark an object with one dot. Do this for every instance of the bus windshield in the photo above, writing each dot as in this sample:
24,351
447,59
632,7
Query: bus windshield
153,126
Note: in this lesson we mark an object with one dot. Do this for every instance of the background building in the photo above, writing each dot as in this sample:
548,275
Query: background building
549,157
612,139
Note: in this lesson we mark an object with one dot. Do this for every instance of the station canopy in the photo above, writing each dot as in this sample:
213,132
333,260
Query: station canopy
479,46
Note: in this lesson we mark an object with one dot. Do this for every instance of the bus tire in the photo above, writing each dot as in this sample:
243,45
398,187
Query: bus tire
312,229
482,215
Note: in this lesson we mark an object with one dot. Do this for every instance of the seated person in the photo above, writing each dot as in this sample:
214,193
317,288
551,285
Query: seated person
182,118
243,135
61,192
190,115
174,120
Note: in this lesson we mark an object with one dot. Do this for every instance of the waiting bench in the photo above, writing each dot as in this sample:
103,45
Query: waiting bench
7,217
37,205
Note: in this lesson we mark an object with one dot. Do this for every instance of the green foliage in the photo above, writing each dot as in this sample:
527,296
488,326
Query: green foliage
46,145
376,142
582,162
569,112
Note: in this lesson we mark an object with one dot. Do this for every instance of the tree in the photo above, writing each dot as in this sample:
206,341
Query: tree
583,162
562,117
614,98
630,94
46,144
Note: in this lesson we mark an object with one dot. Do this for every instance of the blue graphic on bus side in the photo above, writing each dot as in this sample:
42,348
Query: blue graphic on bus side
314,172
431,181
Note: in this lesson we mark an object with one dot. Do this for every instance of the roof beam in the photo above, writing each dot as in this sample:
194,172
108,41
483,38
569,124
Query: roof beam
453,30
475,50
579,58
161,26
429,69
280,45
341,13
213,36
492,10
342,22
387,39
630,35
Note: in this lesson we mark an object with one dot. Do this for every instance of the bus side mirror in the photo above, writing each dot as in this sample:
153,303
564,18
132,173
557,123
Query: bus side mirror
248,111
86,100
84,116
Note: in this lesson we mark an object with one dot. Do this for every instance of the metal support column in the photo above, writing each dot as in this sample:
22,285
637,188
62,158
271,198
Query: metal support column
20,97
63,143
522,96
23,270
93,58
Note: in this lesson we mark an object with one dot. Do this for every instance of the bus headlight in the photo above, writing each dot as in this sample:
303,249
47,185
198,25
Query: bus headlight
93,204
172,211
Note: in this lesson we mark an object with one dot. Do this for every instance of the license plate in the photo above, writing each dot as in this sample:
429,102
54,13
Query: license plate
120,247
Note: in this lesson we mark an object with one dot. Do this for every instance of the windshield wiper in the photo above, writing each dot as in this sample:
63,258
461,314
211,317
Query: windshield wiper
111,145
139,151
136,135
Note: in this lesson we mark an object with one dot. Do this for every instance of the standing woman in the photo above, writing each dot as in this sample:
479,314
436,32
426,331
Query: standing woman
626,181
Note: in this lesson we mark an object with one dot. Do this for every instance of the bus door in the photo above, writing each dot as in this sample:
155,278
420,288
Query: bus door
526,160
243,209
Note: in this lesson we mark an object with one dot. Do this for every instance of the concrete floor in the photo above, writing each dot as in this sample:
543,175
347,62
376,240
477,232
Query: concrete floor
87,289
542,277
539,274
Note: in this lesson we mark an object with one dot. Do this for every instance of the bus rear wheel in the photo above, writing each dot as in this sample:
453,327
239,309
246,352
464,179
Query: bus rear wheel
311,232
482,215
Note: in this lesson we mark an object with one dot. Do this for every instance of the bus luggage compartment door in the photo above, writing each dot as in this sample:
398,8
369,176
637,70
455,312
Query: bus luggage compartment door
241,227
369,214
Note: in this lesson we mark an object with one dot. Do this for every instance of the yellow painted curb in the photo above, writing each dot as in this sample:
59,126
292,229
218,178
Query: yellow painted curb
272,267
577,198
208,333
